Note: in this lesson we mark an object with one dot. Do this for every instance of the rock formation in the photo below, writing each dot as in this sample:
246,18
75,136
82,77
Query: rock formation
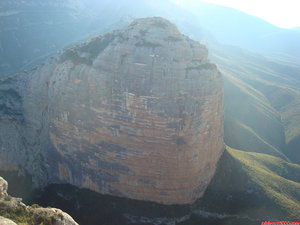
15,210
5,221
136,113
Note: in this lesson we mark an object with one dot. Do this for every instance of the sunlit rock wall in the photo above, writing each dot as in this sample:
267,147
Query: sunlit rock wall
136,113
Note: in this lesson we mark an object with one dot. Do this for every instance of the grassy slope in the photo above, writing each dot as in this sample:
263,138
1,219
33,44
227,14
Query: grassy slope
262,119
262,102
249,120
256,185
278,179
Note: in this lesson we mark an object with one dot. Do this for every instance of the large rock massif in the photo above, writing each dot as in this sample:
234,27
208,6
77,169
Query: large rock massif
136,113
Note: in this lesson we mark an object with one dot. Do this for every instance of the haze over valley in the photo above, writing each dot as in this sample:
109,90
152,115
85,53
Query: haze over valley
148,112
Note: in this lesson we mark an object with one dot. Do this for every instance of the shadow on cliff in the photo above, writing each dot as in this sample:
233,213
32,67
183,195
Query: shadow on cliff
234,196
88,207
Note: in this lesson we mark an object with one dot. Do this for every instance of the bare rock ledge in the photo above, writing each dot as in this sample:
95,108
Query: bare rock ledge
16,210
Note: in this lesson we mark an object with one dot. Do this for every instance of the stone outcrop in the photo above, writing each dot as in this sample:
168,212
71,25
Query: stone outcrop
18,212
5,221
136,113
3,187
61,218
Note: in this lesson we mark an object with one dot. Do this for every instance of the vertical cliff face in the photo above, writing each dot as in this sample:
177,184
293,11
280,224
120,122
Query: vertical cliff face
136,113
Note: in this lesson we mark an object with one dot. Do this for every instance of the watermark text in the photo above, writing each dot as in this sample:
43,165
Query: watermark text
281,222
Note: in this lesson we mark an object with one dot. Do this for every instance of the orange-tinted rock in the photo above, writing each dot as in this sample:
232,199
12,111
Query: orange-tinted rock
136,113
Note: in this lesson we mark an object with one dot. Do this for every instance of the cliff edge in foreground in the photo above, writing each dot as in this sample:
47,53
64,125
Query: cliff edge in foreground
13,211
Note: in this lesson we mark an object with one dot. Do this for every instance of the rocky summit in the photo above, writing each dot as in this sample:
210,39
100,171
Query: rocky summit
136,113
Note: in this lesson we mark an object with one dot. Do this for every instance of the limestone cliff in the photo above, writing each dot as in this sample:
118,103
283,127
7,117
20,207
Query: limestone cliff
136,113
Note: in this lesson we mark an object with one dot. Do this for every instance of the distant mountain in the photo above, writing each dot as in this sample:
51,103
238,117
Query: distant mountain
262,98
33,30
233,27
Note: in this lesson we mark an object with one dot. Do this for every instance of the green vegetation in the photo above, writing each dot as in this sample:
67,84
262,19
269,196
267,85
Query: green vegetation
42,220
262,102
273,176
147,44
256,185
11,208
7,198
23,216
18,215
88,51
35,206
251,124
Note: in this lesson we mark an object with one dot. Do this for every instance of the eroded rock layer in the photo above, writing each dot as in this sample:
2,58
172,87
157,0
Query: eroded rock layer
136,113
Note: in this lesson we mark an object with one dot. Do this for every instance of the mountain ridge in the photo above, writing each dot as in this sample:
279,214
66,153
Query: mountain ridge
112,17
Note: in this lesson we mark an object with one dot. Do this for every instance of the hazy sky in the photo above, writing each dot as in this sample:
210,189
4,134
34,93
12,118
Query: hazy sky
282,13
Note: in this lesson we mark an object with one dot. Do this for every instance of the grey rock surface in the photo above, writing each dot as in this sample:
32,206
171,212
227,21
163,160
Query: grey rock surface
3,187
5,221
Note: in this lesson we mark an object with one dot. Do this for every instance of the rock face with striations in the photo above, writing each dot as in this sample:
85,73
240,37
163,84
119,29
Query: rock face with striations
136,113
